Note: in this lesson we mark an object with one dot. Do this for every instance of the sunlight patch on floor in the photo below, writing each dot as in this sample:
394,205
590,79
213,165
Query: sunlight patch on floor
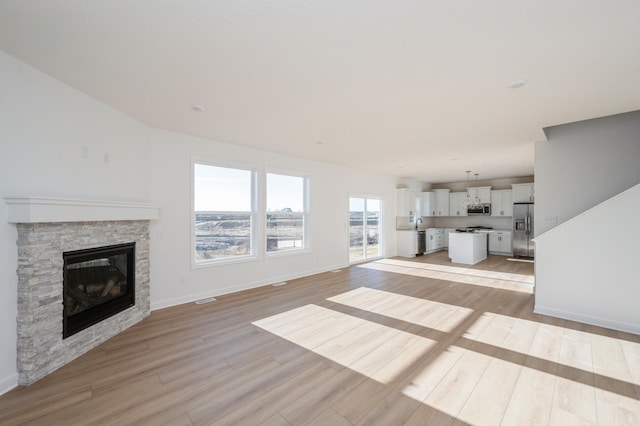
501,280
374,350
462,270
515,360
518,361
423,312
458,380
425,380
512,259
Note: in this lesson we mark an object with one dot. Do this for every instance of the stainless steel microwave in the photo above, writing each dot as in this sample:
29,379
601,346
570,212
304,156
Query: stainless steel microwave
481,210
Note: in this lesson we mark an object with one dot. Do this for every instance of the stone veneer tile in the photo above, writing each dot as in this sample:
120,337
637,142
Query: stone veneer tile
41,348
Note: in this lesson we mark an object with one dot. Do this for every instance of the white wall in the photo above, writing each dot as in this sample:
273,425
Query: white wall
586,268
46,128
583,164
592,276
53,141
171,243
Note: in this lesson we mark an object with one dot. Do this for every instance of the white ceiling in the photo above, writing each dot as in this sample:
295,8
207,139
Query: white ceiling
413,89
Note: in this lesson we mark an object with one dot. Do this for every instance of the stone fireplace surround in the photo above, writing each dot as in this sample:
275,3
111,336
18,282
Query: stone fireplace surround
46,228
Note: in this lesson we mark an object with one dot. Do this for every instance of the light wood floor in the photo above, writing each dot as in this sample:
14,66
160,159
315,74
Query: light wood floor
418,342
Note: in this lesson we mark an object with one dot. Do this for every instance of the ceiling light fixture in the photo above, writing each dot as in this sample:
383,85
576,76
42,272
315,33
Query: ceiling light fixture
517,84
468,202
477,201
472,202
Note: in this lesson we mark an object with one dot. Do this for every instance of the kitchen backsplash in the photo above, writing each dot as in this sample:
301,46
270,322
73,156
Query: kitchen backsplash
407,222
461,222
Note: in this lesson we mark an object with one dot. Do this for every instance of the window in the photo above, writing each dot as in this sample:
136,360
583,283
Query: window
364,229
286,213
224,213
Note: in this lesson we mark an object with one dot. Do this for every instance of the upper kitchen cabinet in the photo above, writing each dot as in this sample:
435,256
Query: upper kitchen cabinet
442,197
407,202
501,203
482,192
523,192
429,204
457,205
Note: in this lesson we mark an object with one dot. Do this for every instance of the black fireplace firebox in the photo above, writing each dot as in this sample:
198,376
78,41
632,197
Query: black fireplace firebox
98,283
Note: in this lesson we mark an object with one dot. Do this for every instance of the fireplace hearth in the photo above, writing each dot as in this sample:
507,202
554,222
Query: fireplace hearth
98,283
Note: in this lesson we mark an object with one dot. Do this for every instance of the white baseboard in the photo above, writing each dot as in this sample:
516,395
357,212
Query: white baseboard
8,383
588,319
233,289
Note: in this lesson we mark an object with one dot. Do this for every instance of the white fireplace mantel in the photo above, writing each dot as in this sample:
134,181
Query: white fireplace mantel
45,210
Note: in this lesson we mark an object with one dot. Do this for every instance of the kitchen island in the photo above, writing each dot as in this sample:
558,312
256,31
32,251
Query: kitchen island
467,247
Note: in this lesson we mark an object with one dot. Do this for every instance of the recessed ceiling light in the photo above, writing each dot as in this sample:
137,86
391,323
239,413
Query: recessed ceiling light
517,84
198,108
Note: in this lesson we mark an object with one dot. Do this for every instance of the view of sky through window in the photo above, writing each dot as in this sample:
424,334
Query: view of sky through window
221,189
285,192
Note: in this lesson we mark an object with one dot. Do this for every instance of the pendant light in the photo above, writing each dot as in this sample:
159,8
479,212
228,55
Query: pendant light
468,202
477,202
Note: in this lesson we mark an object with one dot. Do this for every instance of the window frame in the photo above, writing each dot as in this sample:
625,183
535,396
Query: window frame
254,213
306,234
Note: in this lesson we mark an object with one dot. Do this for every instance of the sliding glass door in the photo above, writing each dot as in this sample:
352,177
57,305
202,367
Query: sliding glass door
365,240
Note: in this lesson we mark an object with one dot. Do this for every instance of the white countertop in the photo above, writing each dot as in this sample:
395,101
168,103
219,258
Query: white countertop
479,231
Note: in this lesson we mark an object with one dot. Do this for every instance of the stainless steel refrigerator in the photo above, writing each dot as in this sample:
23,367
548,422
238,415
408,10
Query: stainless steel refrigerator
522,243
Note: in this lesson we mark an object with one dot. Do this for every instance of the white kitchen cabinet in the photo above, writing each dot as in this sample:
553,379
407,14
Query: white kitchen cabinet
482,192
457,205
447,231
501,203
440,239
429,204
523,192
407,202
431,240
435,239
406,243
500,243
467,247
442,201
